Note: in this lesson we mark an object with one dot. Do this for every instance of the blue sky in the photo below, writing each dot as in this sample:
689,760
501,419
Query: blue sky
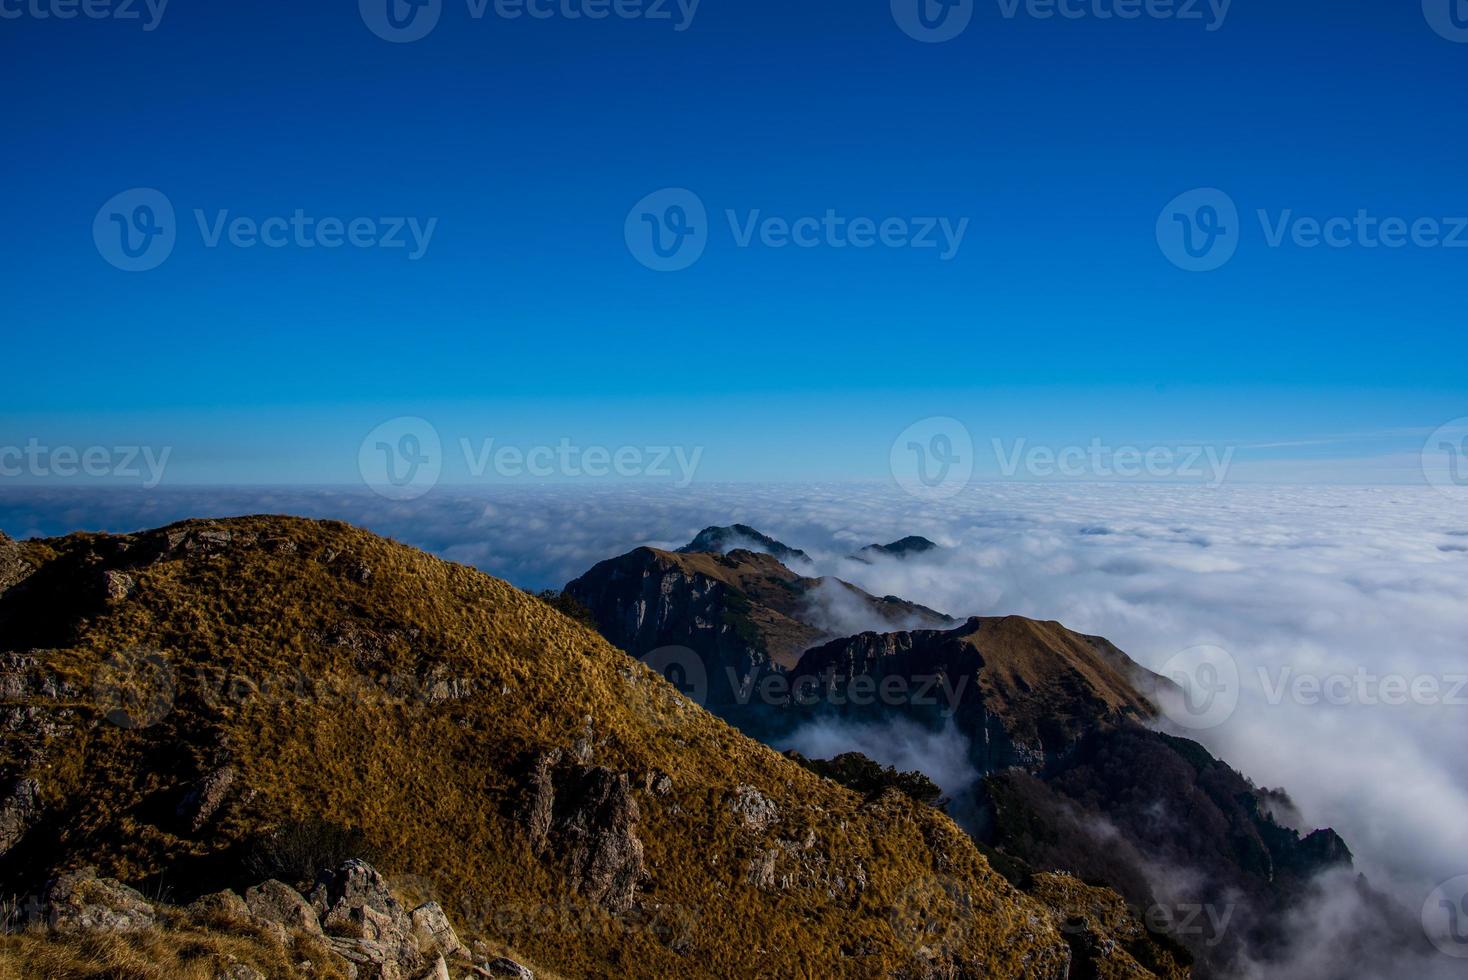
527,318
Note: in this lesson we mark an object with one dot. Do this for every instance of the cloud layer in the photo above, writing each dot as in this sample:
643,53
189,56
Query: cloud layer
1325,583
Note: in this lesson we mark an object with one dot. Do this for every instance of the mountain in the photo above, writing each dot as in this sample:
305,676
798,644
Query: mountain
1068,774
1025,692
741,613
206,729
910,545
737,537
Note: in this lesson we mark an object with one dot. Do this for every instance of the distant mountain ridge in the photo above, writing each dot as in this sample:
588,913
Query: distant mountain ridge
1058,725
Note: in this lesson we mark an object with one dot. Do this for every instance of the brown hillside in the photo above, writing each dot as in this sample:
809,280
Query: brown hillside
337,675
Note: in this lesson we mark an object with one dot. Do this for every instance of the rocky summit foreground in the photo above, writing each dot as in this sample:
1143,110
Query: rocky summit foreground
282,748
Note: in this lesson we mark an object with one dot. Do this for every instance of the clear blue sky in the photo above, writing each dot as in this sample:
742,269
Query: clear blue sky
529,320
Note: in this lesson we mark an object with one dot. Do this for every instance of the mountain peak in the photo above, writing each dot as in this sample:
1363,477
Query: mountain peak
741,536
913,544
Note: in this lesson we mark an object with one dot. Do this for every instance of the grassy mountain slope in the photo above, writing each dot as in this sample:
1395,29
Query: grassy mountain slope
336,674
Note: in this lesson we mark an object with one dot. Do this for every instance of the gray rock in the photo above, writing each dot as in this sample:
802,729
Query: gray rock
590,815
504,967
82,902
117,586
434,933
758,811
205,799
20,808
13,566
275,901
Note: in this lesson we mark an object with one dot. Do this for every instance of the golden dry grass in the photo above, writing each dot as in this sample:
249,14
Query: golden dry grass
858,889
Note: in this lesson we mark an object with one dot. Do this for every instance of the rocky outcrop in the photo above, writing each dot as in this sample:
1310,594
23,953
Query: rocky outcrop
204,800
13,566
20,808
275,901
736,537
82,902
590,815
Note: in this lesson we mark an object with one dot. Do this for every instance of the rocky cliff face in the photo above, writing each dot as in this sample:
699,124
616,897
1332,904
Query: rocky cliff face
192,705
742,613
1056,723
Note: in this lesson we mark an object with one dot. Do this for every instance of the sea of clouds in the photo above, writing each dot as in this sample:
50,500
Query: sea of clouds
1328,583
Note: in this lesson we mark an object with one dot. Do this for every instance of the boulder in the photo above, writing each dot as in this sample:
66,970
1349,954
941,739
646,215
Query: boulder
20,807
275,901
504,967
434,933
82,902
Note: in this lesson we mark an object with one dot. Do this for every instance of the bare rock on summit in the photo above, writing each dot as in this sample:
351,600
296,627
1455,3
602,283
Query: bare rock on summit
20,807
82,902
13,566
275,901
